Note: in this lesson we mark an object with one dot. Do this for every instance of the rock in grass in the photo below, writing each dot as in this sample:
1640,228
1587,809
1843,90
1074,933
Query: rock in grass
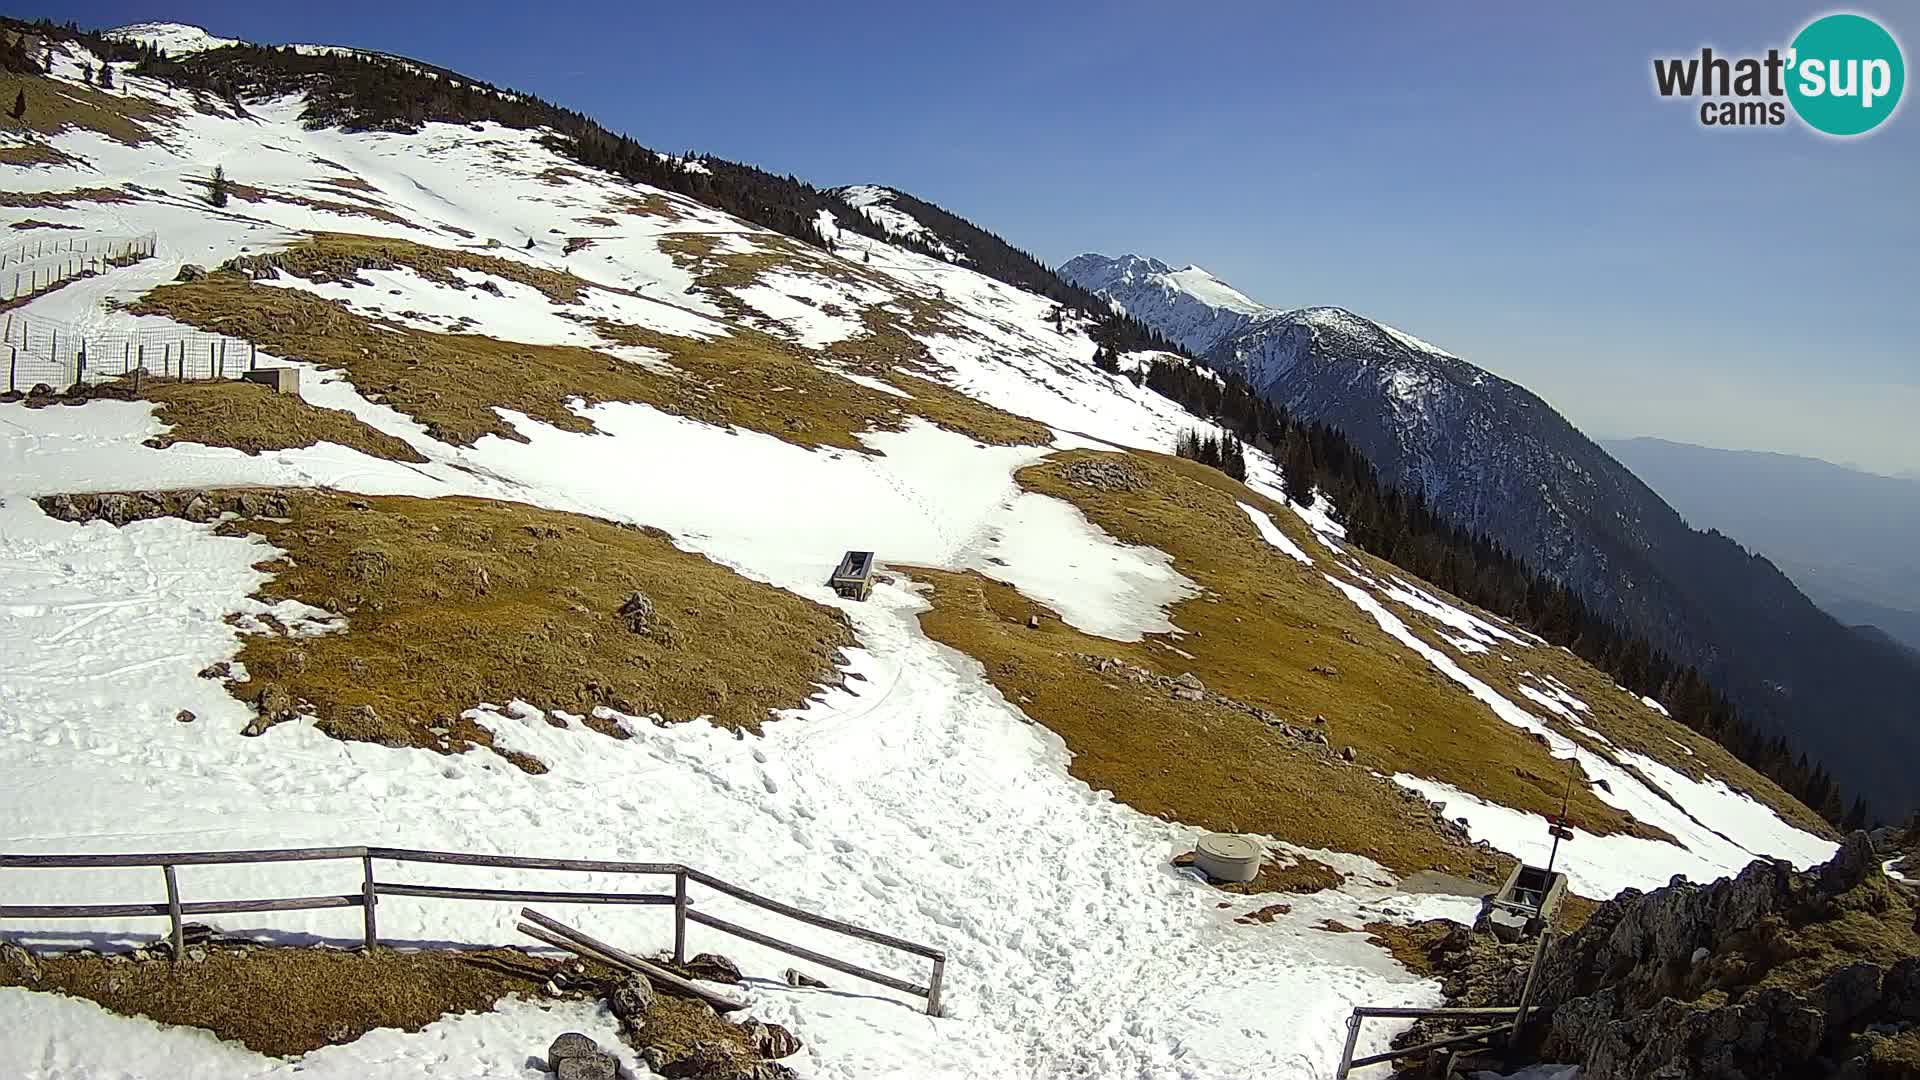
574,1046
770,1040
633,1000
601,1066
713,968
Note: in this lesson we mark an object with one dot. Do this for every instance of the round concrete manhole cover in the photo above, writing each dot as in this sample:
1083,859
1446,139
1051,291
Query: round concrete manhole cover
1227,858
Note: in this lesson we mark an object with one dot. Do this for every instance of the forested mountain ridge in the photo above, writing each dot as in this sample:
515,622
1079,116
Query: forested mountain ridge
1491,457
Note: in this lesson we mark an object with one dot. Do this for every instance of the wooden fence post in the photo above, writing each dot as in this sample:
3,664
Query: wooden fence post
13,366
253,355
367,902
680,917
933,986
126,358
173,914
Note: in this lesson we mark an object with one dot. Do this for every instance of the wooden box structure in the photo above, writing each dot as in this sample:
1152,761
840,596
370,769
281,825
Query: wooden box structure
1531,892
853,578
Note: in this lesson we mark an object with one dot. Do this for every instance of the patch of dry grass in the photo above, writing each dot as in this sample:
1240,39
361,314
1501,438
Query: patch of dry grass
285,1001
252,418
1194,762
36,223
29,154
339,257
54,107
248,193
1268,622
1800,948
456,601
452,383
63,200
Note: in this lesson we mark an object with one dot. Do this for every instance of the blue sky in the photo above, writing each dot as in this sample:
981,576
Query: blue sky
1498,179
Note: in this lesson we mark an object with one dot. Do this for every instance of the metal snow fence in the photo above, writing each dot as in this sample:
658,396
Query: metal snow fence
36,266
43,351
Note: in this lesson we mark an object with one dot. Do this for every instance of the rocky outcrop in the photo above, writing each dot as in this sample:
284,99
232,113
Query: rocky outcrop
1769,975
1188,687
124,507
1106,474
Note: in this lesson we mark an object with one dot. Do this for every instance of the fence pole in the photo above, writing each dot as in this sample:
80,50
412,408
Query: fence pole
367,902
680,917
223,360
13,366
126,357
173,914
253,355
933,986
210,361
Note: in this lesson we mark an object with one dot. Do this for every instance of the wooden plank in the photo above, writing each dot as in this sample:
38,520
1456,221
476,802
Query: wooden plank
720,1002
822,959
1410,1013
1437,1044
287,903
574,947
78,911
189,858
444,892
811,919
521,862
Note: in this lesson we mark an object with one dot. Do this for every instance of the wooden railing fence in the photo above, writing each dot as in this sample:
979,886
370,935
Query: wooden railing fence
372,888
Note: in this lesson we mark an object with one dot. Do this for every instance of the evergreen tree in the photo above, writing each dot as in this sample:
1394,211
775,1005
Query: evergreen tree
106,76
217,190
19,105
86,74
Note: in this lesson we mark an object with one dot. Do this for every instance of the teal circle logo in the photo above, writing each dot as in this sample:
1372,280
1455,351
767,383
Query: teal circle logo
1846,74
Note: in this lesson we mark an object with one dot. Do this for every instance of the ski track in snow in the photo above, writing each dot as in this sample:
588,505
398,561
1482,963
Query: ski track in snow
1074,949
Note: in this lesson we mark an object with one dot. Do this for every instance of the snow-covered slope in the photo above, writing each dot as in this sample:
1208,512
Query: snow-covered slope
913,796
1499,459
877,204
174,39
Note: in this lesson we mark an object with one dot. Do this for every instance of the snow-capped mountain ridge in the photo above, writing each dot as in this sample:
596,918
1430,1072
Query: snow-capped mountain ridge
1498,459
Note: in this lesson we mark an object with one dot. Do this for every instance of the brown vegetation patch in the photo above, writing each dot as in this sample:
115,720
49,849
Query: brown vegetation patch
601,220
1629,724
456,601
576,243
1267,622
54,107
650,204
1415,945
340,257
28,154
1798,949
1199,763
359,208
63,200
1265,916
453,383
252,418
36,223
284,1001
1256,635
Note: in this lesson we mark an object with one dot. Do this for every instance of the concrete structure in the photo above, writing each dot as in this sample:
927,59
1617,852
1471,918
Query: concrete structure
853,578
1227,858
1525,903
281,380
